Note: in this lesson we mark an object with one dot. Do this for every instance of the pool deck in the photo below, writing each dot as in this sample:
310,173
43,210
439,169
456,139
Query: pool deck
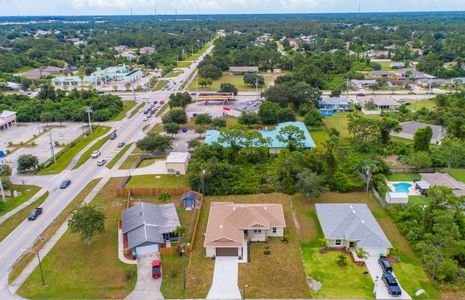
412,191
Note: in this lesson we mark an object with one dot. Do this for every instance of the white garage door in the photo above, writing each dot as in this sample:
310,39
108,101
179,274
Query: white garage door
145,250
376,251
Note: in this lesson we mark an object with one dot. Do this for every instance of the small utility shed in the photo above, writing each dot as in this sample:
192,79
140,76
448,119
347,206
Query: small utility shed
150,226
177,162
189,199
396,198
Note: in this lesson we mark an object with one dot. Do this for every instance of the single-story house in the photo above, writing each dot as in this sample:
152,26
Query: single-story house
334,103
353,226
408,73
379,74
231,226
177,162
410,128
396,198
360,84
274,145
39,73
242,70
380,102
397,65
148,226
399,82
441,179
146,50
10,86
434,82
76,81
7,119
189,200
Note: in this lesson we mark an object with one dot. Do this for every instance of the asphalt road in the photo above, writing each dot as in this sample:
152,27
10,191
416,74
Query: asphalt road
128,130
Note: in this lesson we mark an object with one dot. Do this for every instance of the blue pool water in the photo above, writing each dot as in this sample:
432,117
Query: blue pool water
402,187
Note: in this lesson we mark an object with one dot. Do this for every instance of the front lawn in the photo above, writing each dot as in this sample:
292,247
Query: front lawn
403,177
157,181
66,155
27,192
75,270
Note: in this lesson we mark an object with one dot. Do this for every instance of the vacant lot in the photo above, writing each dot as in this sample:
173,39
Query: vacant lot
157,181
339,122
236,80
410,272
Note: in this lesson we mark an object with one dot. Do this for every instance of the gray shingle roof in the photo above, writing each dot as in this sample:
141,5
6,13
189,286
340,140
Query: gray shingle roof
352,222
146,222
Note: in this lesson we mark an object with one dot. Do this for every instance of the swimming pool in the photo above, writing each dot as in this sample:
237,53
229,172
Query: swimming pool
402,187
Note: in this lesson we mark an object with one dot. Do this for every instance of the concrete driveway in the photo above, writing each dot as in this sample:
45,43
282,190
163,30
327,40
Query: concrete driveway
380,289
224,285
146,286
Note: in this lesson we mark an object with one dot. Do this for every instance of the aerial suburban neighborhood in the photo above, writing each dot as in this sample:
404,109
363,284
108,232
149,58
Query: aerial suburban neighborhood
232,150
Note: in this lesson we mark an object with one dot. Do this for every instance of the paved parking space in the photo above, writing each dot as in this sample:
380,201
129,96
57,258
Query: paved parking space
224,285
146,286
62,133
380,289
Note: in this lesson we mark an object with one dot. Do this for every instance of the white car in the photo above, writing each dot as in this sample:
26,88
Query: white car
145,119
101,162
96,154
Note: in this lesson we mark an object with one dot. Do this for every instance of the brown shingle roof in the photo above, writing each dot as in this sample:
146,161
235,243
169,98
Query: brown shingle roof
227,221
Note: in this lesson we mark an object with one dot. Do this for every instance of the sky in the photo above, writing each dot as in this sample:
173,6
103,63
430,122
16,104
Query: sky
123,7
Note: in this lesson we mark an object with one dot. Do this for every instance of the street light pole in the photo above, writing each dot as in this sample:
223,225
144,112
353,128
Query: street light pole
1,186
40,263
51,146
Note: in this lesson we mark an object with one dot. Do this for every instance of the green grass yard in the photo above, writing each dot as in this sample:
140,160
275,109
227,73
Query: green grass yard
403,177
457,174
27,191
158,181
237,81
339,122
66,155
127,105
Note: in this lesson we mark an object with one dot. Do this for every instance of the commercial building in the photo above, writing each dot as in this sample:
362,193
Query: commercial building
7,119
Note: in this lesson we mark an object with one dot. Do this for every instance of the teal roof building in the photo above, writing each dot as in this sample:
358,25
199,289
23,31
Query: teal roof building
274,144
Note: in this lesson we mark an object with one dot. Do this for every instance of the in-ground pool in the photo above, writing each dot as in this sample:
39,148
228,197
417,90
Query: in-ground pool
402,187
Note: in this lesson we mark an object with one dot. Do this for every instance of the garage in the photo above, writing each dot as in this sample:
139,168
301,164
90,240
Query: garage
147,250
227,252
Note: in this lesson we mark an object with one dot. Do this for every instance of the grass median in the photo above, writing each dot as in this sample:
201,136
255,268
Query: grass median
118,156
66,155
86,155
50,230
11,223
127,105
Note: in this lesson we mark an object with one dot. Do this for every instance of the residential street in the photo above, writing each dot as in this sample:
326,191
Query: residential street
128,130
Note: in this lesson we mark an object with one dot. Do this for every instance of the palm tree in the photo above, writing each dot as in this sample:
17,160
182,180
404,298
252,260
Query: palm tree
180,231
361,253
342,260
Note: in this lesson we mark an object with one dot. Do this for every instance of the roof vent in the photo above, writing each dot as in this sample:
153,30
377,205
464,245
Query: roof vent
221,226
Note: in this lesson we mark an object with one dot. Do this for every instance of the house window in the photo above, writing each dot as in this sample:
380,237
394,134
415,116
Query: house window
257,231
274,230
338,243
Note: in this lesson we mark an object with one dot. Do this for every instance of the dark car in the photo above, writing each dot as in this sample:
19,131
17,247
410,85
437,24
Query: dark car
184,130
156,268
162,102
360,95
155,102
385,264
65,184
121,145
113,135
391,284
35,213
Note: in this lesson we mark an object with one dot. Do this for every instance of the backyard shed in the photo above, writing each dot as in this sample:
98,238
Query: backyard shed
189,199
396,198
177,162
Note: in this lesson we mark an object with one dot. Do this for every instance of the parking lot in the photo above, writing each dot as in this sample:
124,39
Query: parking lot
61,133
215,109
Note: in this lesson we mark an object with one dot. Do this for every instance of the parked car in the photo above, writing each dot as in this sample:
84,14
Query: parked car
145,119
113,135
156,268
155,102
101,162
121,145
162,102
184,130
360,95
65,184
385,264
96,154
35,213
391,284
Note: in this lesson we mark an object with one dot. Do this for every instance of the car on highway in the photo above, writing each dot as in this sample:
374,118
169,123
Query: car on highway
385,264
65,184
162,102
360,95
113,135
101,162
35,213
391,284
121,145
156,268
145,119
96,154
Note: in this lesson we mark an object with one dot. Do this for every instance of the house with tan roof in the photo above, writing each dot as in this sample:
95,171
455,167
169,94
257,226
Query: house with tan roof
232,226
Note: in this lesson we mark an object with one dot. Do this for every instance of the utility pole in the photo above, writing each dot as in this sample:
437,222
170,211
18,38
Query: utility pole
154,8
51,146
1,186
256,87
202,182
88,111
